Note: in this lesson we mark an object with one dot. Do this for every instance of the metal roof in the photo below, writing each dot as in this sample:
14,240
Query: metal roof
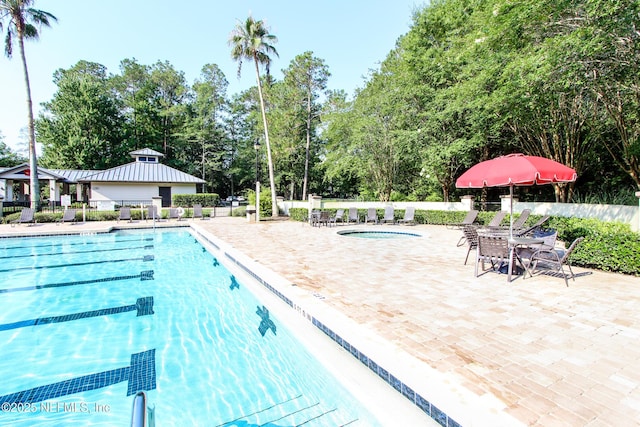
142,172
72,175
146,152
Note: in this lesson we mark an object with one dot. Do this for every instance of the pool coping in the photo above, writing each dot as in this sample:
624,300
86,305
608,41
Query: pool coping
436,394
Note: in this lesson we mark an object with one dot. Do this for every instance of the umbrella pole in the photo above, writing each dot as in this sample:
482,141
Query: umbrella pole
511,211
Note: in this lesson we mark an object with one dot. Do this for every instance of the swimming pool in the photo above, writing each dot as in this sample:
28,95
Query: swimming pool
86,321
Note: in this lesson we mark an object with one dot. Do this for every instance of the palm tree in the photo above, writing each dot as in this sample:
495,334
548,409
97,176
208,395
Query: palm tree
251,41
21,23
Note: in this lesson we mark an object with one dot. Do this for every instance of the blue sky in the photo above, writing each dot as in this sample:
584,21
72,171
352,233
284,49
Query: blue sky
351,36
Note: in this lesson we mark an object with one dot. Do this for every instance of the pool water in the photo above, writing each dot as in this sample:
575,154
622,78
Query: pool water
87,321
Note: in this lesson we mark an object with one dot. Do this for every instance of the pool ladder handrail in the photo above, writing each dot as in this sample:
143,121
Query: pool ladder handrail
139,411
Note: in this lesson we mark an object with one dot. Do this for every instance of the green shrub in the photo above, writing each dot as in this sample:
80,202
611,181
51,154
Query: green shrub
204,199
265,201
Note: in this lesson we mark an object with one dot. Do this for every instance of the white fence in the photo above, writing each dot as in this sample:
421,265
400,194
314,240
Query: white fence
609,213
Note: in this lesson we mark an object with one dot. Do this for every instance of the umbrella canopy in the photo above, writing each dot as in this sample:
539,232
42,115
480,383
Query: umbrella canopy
515,170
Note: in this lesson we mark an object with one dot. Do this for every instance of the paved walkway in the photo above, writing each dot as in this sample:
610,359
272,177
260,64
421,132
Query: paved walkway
543,353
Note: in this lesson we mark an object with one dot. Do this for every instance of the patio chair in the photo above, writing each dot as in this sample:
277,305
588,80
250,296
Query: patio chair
125,214
69,215
26,216
471,217
470,234
555,259
494,250
353,216
314,217
389,215
339,216
324,218
372,216
548,237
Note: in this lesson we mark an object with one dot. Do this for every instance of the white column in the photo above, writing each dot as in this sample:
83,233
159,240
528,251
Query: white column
54,191
467,202
8,190
257,201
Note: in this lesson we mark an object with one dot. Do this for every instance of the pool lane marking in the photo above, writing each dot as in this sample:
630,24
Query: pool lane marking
140,374
143,306
144,275
77,264
79,252
59,245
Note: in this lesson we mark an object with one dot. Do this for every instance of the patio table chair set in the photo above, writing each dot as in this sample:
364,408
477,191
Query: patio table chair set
536,253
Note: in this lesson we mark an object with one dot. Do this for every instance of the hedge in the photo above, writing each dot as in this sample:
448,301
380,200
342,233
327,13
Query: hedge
608,246
204,199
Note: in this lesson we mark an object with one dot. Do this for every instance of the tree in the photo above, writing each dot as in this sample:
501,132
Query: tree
205,126
8,157
307,75
251,41
22,21
82,127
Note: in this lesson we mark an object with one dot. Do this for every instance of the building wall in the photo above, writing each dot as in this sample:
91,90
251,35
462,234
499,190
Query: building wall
106,191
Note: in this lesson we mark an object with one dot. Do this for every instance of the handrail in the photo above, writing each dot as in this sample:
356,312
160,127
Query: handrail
139,410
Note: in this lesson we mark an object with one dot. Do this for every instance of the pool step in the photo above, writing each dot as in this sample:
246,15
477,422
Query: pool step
295,411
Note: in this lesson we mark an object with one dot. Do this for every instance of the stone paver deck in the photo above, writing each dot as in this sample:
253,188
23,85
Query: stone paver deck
551,355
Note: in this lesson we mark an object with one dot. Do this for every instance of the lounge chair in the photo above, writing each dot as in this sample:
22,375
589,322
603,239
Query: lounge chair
409,214
125,214
554,259
176,213
518,223
389,215
152,213
497,219
471,217
353,216
197,211
372,216
339,216
69,215
26,216
532,229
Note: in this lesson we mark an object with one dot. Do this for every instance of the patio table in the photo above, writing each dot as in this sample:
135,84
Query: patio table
520,242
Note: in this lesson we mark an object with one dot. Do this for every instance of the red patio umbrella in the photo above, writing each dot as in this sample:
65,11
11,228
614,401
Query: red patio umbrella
515,169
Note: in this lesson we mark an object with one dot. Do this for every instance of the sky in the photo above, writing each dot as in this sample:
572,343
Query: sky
351,36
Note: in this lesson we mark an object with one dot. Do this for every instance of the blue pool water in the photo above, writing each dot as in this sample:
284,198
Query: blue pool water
87,321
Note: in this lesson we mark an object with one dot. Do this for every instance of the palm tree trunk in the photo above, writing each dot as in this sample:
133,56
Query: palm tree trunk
272,182
34,184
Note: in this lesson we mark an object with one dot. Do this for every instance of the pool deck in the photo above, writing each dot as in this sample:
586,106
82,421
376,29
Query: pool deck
534,351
